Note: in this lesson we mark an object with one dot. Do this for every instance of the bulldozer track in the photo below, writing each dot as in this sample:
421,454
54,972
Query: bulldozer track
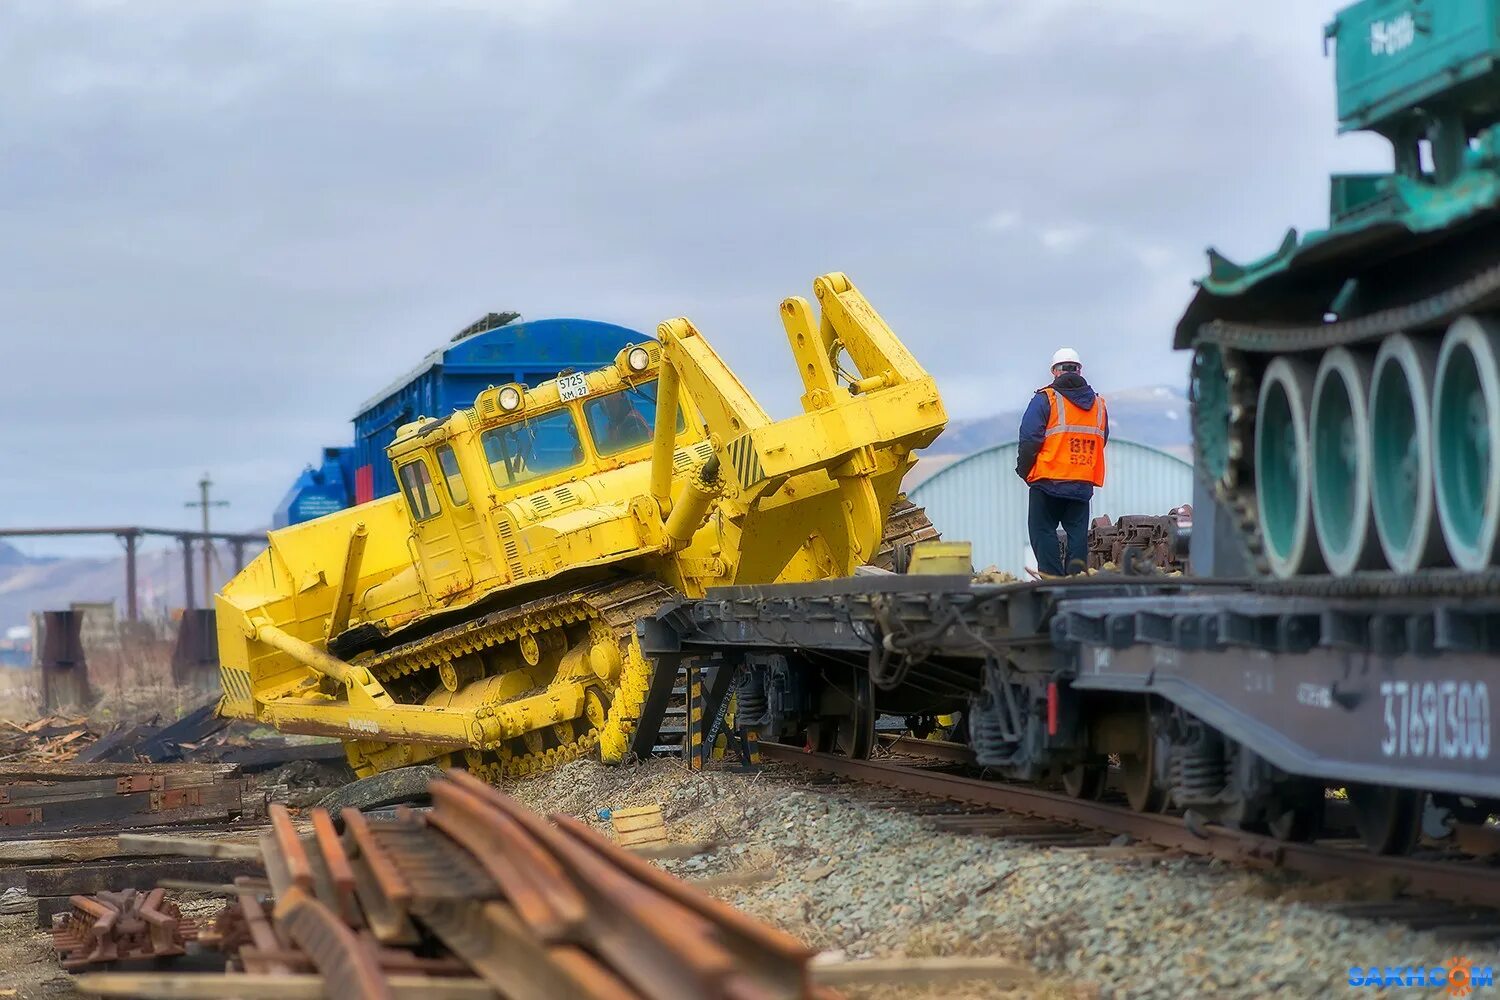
612,605
616,603
1240,341
1480,291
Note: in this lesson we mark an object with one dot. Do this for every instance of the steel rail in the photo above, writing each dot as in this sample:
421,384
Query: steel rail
1450,881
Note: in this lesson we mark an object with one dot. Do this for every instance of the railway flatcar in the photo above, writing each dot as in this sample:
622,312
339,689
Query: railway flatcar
1338,639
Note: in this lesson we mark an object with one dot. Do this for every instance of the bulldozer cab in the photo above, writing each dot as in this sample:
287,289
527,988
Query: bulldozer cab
456,475
438,504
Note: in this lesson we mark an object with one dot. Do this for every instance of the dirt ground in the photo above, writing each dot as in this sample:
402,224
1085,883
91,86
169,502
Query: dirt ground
28,970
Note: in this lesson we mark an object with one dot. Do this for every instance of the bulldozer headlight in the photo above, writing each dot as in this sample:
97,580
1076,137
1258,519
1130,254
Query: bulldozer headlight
638,359
510,398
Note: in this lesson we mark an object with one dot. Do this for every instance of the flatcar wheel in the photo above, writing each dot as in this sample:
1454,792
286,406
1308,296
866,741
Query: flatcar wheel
1086,781
1297,815
1389,819
1138,780
852,734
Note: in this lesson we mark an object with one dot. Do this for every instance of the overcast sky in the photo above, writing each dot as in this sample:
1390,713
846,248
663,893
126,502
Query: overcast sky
226,224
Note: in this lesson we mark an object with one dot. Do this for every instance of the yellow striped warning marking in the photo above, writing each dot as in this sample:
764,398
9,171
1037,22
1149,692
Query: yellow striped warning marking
746,461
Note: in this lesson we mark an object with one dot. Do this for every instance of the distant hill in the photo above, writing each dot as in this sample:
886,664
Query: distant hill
1155,415
12,556
32,583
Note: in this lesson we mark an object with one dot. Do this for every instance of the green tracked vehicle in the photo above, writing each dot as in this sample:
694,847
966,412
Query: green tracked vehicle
1346,388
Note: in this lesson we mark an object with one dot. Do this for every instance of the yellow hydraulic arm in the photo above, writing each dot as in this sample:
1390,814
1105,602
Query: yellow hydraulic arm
891,403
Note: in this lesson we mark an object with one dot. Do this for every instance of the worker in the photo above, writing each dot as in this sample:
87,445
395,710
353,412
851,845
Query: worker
1061,457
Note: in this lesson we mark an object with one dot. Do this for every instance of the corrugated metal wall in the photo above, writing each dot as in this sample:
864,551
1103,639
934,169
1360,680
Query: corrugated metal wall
980,498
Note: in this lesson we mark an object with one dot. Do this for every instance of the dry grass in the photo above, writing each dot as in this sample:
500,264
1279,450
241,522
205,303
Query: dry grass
131,683
20,695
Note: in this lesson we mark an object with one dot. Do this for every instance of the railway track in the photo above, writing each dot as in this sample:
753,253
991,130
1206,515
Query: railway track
1048,817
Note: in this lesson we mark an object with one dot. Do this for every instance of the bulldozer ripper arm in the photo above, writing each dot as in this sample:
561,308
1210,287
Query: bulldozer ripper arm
892,403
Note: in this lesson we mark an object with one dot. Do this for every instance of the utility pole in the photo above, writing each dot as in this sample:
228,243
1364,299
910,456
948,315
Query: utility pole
204,503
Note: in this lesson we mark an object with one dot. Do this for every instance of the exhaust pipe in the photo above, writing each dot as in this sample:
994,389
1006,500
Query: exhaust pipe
1466,430
1341,463
1282,474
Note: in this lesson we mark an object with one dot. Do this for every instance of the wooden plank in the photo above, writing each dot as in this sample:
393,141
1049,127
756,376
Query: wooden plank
245,845
635,811
217,888
639,827
113,876
216,986
642,838
49,906
96,847
32,794
29,793
634,823
125,811
880,971
73,771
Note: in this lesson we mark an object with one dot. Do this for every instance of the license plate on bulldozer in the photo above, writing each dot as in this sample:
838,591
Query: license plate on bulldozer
572,387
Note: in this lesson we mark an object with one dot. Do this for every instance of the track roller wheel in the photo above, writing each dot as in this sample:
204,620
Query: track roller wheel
1283,467
1466,430
1401,483
1389,819
1340,430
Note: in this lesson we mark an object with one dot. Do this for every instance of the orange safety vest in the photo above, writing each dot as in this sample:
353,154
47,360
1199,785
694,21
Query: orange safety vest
1074,446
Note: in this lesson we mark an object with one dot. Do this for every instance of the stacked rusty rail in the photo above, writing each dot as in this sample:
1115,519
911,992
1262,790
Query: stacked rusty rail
480,894
120,926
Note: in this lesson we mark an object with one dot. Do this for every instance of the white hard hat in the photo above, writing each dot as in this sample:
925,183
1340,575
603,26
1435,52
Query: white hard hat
1065,354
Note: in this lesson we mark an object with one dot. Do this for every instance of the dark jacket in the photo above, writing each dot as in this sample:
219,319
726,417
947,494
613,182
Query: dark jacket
1034,431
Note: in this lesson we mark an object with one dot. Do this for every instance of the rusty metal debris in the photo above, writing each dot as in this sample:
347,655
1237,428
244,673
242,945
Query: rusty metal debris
119,926
480,892
1142,543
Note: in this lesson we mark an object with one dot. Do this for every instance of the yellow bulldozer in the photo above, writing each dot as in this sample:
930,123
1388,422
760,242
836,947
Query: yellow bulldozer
484,616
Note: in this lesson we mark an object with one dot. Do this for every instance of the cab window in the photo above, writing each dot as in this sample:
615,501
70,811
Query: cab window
625,419
536,446
421,494
448,462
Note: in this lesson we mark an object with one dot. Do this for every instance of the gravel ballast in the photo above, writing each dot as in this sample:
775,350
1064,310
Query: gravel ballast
870,881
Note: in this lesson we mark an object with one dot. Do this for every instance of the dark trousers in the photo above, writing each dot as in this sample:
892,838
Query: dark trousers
1044,513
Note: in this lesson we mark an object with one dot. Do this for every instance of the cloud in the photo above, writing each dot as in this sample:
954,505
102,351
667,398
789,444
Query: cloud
227,224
